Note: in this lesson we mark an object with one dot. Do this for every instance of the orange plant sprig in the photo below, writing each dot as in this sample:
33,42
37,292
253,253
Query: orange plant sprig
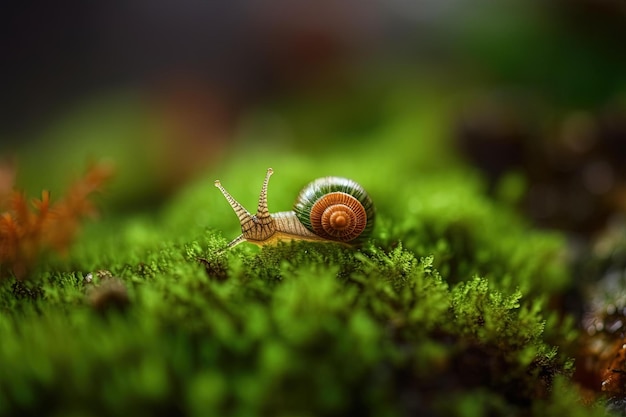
27,231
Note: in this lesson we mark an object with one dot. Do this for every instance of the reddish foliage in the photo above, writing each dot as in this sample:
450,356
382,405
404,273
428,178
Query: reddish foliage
26,231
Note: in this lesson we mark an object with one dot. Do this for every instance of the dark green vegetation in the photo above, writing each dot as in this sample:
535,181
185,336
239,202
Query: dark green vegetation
443,311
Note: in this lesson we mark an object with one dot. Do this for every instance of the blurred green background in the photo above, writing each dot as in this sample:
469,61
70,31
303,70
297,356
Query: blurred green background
530,92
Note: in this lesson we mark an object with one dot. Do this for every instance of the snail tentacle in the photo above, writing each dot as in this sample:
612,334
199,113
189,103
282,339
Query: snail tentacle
262,213
239,210
258,228
232,243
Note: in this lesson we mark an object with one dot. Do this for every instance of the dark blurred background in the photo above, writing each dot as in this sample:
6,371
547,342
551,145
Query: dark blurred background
538,87
570,50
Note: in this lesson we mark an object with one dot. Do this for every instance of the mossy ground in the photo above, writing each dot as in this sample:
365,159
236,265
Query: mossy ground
444,311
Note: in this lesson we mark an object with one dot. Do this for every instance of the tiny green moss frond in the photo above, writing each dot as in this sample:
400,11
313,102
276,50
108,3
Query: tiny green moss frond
567,399
486,314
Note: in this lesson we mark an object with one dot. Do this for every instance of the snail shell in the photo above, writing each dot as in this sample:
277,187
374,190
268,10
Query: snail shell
335,208
328,209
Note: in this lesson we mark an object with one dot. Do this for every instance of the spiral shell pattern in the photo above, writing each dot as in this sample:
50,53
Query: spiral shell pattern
336,209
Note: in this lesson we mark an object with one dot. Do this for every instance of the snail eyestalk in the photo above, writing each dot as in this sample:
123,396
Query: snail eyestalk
256,229
239,210
262,213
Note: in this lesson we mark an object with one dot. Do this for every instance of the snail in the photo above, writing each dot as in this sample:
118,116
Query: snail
329,209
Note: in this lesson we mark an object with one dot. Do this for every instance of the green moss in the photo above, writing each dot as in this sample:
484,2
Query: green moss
292,329
443,311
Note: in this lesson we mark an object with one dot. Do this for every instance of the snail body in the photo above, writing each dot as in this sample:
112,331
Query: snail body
329,209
